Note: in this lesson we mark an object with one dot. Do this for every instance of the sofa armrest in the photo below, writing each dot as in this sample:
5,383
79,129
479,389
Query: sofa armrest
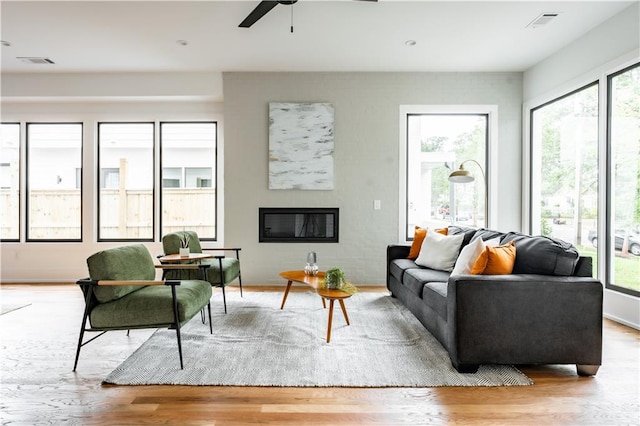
396,251
524,319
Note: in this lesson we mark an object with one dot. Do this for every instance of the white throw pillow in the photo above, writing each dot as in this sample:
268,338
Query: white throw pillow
468,256
494,242
439,251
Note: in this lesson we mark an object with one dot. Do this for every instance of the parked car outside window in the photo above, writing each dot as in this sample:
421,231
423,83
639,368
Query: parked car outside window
634,240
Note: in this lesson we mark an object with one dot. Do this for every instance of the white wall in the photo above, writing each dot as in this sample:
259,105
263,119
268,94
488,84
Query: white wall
605,49
366,160
114,86
617,37
104,100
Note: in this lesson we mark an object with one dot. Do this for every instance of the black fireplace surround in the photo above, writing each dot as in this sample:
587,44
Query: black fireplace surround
298,224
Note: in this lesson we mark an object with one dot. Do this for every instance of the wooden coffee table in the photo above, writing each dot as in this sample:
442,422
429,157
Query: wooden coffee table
314,282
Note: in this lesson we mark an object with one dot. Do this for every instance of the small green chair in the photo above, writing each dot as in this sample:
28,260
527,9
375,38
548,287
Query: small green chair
222,270
121,293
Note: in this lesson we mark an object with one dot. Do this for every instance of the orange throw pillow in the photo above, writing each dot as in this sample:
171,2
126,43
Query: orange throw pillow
418,238
443,231
495,260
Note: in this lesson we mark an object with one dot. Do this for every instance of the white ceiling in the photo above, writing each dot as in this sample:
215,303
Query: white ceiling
345,35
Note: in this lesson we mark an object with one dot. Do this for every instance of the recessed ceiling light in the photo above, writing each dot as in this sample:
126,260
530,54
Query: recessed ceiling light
182,42
410,43
5,43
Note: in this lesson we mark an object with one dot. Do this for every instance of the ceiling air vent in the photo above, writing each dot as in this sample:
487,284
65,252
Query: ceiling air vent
542,20
35,60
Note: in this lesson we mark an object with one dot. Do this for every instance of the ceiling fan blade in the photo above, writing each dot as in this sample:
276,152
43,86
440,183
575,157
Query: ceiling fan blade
261,9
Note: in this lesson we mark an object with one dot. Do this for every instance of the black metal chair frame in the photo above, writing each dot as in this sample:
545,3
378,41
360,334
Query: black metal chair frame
221,284
87,285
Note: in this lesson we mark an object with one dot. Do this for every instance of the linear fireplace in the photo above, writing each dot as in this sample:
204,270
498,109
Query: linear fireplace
298,225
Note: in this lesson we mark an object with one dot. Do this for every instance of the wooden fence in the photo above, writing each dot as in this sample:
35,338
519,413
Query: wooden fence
56,214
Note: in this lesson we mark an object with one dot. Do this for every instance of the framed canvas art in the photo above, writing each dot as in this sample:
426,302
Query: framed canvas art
301,145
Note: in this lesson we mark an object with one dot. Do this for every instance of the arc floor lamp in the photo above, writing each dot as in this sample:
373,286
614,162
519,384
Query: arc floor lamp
463,175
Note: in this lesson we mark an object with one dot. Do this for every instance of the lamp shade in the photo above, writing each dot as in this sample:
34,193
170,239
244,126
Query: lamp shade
461,176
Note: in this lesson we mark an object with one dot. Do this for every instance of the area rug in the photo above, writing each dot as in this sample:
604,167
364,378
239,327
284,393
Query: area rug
257,344
5,308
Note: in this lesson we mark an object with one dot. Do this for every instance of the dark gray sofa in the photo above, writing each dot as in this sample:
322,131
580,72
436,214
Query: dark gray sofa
548,311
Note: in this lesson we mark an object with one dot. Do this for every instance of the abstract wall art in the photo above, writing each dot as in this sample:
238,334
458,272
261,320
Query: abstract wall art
301,145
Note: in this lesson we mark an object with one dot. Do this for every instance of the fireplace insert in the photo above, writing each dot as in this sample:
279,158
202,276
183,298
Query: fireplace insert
298,225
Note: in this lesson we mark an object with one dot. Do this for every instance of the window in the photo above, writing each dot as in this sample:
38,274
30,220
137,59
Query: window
188,198
564,171
623,244
54,201
126,177
437,144
10,181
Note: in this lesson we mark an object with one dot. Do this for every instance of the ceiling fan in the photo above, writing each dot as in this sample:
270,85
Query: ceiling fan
263,8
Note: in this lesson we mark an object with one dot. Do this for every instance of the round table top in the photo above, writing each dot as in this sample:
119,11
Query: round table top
332,293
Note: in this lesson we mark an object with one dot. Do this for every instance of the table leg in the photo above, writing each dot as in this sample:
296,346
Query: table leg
324,305
330,320
344,311
286,293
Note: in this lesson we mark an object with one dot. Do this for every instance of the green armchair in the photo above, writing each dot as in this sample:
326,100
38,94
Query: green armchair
222,269
121,293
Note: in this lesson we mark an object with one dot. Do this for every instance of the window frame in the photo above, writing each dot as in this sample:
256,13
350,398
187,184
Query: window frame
28,239
21,168
529,181
609,225
491,159
183,183
615,308
98,172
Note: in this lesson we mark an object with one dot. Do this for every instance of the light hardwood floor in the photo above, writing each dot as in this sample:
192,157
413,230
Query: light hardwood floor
38,386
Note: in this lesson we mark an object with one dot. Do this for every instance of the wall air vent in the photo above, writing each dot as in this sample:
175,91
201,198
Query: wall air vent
35,60
542,20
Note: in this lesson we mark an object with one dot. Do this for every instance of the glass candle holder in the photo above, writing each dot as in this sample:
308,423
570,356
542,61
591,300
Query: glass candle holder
311,268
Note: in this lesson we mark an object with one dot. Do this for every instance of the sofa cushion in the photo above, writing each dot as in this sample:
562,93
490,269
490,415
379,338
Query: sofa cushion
439,251
415,279
542,255
398,266
152,305
121,263
434,295
487,234
467,232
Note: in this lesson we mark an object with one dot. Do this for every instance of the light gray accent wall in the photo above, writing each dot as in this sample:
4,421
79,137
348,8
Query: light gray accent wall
607,42
365,160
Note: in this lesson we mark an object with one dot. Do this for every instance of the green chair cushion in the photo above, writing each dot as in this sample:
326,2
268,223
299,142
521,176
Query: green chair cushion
230,268
132,262
172,242
152,305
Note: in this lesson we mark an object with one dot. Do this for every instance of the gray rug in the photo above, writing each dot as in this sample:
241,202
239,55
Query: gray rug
257,344
5,308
